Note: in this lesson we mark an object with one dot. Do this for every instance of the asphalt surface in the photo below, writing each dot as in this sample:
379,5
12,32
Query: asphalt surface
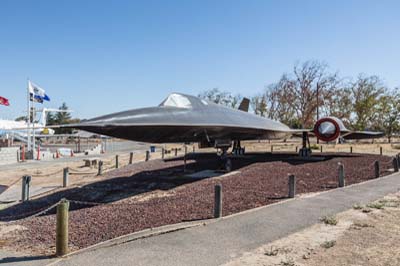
219,242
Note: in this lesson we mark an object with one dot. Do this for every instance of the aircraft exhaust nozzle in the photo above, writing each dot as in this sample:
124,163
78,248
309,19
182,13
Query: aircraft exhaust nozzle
326,129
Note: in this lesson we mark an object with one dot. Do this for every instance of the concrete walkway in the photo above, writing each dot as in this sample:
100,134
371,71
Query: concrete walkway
219,242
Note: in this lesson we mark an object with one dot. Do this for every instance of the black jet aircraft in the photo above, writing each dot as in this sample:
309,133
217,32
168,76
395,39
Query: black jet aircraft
184,118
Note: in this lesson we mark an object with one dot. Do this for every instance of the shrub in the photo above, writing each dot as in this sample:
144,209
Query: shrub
329,220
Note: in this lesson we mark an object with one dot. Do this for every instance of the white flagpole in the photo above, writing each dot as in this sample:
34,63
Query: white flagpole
29,118
33,129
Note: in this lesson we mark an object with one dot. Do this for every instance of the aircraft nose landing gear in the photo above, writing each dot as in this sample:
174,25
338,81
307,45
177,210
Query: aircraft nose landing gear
226,162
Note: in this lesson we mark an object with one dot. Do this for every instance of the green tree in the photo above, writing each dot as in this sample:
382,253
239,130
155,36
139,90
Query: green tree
366,92
388,114
50,119
62,118
21,118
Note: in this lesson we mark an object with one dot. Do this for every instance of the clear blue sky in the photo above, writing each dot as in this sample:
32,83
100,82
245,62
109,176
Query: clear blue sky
106,56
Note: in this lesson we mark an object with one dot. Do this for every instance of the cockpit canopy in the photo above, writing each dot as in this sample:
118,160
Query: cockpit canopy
183,101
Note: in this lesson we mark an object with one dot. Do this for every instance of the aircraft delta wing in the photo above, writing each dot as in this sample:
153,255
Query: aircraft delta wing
185,118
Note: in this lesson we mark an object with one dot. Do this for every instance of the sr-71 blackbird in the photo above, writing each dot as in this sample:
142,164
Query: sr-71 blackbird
184,118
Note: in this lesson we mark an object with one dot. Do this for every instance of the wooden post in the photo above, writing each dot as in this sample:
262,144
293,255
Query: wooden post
147,155
131,158
162,153
176,151
65,176
395,165
351,149
218,201
100,171
320,148
377,170
62,228
272,148
26,181
116,161
292,186
380,150
341,181
297,149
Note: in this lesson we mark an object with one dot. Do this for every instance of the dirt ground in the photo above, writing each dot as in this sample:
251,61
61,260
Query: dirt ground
155,193
158,193
366,235
50,174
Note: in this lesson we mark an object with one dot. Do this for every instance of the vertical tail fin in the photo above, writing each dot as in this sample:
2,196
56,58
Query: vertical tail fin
43,117
244,105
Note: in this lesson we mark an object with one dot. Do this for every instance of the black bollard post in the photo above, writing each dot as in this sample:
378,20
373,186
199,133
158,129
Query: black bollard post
184,160
292,186
218,201
116,161
351,149
100,171
341,180
147,155
380,150
377,170
395,165
26,181
398,159
131,158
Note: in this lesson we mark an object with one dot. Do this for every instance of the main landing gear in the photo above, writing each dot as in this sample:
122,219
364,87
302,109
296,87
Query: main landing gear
237,148
305,151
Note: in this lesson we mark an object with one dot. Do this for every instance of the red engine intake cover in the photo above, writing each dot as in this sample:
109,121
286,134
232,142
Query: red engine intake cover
326,137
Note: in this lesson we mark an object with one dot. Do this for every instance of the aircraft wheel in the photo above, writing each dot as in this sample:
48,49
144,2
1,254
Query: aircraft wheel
228,165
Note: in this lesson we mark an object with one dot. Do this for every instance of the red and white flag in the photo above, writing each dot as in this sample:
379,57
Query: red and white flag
4,101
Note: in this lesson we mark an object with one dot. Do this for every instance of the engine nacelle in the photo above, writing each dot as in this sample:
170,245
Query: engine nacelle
327,129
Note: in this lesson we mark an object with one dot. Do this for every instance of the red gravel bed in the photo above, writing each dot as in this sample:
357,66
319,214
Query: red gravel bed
262,180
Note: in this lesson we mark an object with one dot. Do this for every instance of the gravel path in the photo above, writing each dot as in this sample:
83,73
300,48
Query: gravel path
156,193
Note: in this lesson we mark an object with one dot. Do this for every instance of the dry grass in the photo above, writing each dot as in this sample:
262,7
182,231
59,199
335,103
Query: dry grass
329,220
328,244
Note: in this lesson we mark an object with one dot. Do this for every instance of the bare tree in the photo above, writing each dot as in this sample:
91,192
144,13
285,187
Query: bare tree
221,97
310,86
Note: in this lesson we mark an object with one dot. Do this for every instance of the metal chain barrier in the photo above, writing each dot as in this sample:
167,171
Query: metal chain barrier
387,163
82,173
15,182
368,167
45,175
86,203
35,213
